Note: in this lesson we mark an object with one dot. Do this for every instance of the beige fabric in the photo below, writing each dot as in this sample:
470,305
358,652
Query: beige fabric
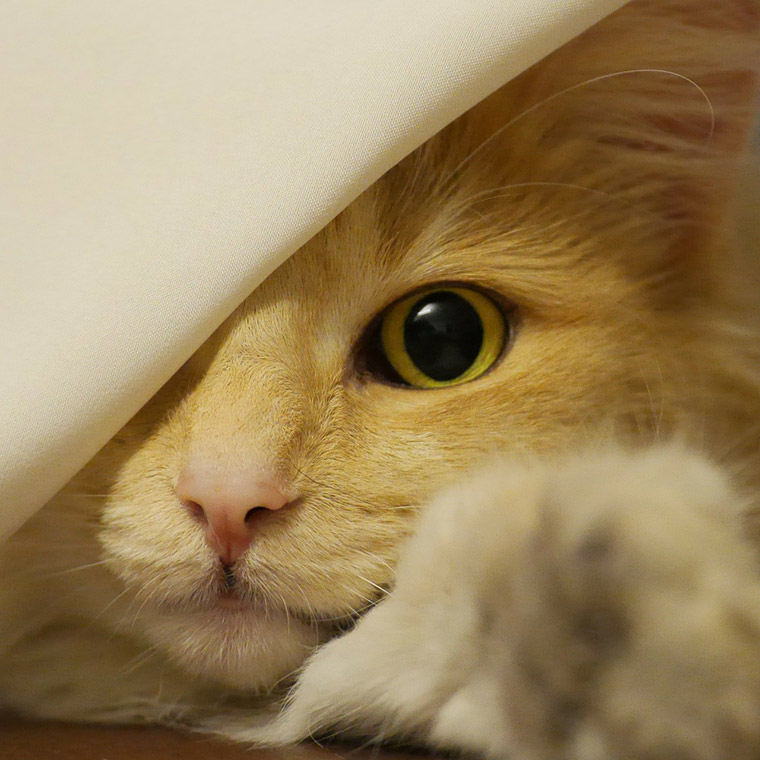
159,158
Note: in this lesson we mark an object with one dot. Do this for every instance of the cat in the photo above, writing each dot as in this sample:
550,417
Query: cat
476,468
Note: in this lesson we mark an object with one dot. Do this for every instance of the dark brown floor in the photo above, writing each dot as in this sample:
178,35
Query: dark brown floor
53,741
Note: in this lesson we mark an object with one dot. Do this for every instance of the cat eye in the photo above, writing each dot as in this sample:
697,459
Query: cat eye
441,336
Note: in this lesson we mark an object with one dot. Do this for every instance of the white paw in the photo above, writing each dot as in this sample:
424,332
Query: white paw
604,606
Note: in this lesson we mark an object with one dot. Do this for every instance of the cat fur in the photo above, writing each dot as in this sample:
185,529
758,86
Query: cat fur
596,195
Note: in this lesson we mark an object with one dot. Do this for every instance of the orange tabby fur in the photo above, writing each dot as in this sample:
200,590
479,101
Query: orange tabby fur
595,194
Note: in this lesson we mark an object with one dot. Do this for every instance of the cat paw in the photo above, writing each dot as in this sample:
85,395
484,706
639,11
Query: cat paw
633,630
605,606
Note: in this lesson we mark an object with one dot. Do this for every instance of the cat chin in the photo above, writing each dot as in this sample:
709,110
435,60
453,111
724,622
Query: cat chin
246,649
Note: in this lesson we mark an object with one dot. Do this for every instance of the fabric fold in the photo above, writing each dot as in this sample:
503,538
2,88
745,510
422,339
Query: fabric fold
160,159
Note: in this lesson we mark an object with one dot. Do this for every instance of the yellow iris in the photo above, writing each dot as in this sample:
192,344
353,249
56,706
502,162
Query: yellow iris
394,336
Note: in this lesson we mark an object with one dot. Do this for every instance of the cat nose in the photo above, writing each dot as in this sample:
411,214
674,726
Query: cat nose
228,505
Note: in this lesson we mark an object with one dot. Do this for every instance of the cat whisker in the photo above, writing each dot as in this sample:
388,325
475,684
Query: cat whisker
286,609
348,499
467,204
110,604
311,613
594,80
378,560
352,498
309,606
352,614
77,569
139,660
149,597
369,603
383,591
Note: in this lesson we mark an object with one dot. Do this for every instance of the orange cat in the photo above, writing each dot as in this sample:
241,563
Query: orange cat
555,278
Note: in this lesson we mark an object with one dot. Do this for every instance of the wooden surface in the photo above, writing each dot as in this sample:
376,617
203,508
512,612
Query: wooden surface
54,741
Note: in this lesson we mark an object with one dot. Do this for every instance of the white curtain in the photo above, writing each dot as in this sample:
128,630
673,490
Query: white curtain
158,158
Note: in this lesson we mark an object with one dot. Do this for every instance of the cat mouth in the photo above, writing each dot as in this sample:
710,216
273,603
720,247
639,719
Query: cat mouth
230,595
229,600
224,595
221,593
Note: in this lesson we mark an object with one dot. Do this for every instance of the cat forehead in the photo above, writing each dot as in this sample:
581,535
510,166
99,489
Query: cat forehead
361,263
538,247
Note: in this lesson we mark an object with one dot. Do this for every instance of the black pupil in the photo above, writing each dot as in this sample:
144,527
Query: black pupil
443,335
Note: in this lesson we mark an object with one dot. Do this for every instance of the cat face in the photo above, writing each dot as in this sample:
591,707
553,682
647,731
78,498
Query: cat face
285,392
586,241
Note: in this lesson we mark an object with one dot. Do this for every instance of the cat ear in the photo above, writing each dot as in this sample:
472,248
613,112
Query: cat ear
651,109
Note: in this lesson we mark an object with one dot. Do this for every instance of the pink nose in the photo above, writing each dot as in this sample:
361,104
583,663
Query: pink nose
228,504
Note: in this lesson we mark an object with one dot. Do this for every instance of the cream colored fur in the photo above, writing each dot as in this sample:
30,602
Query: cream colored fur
599,606
596,194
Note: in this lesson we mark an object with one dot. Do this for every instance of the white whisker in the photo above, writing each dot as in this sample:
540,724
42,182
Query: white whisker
455,171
